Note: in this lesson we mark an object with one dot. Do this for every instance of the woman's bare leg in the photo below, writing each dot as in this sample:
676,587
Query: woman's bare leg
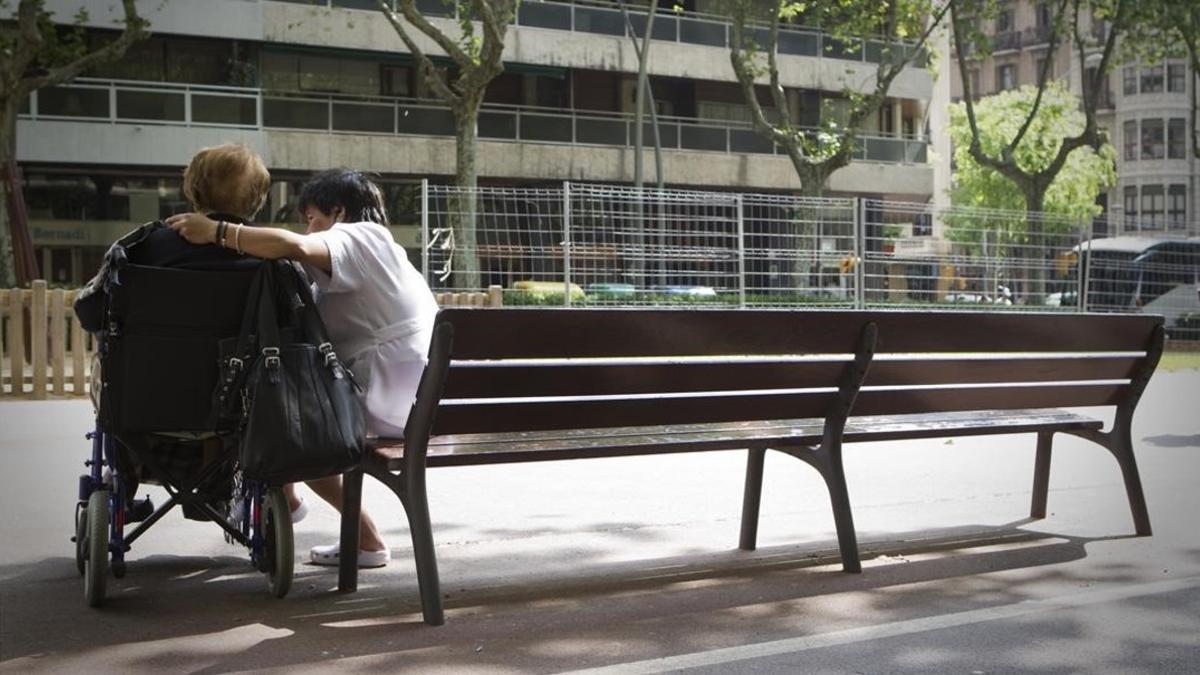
289,491
330,489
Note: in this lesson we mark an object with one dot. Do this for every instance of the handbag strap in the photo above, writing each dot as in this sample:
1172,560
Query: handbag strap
296,286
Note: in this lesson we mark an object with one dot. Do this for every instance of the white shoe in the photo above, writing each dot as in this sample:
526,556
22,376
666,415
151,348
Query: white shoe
300,512
330,555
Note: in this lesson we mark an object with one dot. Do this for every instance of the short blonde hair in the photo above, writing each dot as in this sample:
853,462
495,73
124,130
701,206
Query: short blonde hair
229,178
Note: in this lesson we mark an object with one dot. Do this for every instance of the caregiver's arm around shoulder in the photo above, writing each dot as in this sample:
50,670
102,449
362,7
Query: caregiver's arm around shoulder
261,242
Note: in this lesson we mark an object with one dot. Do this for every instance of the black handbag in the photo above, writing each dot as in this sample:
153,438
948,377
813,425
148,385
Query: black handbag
302,416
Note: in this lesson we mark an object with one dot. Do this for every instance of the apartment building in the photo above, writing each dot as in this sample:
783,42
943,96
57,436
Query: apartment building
1144,108
312,84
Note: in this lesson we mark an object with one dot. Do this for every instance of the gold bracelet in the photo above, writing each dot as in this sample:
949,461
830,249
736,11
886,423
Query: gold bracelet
237,239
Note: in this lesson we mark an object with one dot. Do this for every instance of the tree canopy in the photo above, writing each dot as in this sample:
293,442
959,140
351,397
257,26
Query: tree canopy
1072,193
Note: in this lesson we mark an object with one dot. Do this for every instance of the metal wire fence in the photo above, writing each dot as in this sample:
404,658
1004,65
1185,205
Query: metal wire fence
576,244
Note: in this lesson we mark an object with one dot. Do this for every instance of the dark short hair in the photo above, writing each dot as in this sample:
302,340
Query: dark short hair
347,189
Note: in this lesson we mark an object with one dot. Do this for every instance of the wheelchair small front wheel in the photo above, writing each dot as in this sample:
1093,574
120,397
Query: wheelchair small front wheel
81,539
95,576
279,548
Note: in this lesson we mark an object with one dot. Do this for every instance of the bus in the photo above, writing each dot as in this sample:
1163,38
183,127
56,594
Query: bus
1158,276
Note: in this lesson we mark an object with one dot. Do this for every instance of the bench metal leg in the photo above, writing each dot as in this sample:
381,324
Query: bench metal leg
752,499
1041,474
828,462
421,528
1122,448
839,496
351,508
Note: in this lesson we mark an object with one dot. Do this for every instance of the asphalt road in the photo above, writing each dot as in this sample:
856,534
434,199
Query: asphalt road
630,566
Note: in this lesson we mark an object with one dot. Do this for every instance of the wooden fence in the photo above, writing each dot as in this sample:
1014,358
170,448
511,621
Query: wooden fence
44,349
44,352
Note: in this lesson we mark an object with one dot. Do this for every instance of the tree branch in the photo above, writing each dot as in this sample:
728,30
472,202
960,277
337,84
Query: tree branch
135,28
418,20
428,69
738,58
1042,74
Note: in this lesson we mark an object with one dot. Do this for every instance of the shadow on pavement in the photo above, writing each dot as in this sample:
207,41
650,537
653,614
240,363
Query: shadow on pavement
213,614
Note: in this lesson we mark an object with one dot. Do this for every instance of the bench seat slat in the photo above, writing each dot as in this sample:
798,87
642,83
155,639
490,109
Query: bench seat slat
485,381
493,448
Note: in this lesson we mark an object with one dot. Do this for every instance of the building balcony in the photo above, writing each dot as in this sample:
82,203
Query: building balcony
686,27
243,110
1037,36
1006,41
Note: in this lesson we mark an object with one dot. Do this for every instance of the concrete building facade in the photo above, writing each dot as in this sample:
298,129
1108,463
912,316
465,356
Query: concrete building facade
312,84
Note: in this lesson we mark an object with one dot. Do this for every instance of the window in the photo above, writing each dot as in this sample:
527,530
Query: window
1152,139
1044,16
1041,63
1130,79
1153,203
1131,209
1004,20
1176,77
1177,206
1131,140
1006,77
1177,138
1152,79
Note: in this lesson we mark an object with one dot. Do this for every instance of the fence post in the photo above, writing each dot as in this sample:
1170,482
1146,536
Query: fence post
495,296
741,250
16,340
860,258
37,337
58,340
1085,263
425,228
566,243
78,352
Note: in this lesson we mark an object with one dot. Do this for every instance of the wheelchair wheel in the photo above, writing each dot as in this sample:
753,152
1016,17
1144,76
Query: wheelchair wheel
95,574
81,538
279,549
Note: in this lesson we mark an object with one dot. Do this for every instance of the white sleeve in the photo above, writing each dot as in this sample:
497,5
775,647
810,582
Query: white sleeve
349,258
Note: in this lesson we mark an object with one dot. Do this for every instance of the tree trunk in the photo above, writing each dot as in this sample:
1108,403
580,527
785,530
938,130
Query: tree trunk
463,204
1034,259
8,153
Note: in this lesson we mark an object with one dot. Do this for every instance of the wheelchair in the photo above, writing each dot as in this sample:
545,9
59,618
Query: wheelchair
164,332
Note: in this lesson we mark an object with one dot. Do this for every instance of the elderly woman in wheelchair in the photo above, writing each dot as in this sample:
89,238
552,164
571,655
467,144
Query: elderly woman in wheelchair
160,308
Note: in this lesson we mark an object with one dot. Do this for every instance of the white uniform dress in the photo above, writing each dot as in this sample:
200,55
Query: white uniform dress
379,313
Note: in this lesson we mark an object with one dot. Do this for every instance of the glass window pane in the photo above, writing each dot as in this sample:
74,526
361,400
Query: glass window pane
294,114
600,132
217,109
435,121
747,140
603,21
702,32
702,138
555,128
360,117
498,125
1153,146
1177,139
73,102
150,105
544,15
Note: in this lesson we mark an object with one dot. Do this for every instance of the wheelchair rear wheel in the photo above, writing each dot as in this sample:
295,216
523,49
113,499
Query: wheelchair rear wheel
278,544
95,575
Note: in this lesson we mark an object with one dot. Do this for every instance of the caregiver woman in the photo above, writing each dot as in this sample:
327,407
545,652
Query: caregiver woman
376,306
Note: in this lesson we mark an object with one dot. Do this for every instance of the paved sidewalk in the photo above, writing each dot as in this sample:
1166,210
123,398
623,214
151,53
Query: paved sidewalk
630,565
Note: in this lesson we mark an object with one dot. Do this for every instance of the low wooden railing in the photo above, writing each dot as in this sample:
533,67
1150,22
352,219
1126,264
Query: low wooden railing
44,352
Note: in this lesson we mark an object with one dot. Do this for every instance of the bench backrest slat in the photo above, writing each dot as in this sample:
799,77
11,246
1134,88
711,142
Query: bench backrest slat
545,333
525,370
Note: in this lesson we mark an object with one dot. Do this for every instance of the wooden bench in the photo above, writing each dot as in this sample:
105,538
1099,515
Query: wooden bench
522,385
